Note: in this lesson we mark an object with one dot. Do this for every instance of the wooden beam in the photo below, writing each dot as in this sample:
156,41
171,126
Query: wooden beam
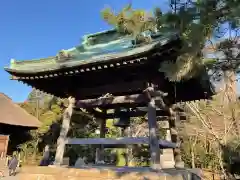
162,145
117,141
137,114
112,100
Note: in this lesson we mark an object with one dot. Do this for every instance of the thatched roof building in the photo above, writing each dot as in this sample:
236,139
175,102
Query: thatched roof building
13,114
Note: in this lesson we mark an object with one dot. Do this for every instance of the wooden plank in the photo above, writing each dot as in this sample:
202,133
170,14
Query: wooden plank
117,141
125,140
112,100
162,145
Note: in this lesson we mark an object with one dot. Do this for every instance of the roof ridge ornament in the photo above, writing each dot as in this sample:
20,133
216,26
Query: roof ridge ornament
12,63
63,55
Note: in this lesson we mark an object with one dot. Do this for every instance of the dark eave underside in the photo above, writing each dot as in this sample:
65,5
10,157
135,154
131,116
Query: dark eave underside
126,78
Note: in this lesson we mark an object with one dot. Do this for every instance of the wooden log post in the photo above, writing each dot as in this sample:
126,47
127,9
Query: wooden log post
153,138
129,152
61,142
100,150
126,132
155,99
175,138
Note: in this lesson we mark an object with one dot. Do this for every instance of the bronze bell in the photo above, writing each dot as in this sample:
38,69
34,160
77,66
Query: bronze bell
123,119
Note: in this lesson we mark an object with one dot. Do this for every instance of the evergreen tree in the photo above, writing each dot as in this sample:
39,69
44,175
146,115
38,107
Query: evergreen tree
130,21
198,23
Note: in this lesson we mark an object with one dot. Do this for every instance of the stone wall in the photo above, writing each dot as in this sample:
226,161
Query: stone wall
56,173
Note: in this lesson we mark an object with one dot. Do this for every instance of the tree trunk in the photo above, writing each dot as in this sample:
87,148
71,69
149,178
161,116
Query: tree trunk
230,96
230,86
192,157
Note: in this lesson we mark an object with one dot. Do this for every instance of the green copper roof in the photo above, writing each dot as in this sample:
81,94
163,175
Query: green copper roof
99,47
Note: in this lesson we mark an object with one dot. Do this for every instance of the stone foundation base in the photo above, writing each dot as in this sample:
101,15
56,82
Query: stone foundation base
125,173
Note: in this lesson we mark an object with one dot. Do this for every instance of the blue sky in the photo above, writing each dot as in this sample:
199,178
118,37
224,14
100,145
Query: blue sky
36,29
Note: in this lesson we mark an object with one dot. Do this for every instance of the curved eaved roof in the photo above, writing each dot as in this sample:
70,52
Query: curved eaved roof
99,53
13,114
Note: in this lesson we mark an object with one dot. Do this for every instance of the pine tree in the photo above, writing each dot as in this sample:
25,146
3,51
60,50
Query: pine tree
197,22
202,22
130,21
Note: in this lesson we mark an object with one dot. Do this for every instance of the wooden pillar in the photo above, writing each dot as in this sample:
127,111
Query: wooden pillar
100,150
175,138
153,137
129,149
64,131
126,132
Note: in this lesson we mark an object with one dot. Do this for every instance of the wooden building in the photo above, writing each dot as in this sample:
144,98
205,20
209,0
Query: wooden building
109,71
15,123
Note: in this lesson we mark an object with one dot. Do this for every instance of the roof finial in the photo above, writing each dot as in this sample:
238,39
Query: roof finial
12,61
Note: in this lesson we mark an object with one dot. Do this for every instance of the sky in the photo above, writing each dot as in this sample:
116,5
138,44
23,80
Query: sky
38,29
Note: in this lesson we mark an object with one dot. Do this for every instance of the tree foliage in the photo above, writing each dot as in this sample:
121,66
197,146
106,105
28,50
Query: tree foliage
50,114
197,22
200,23
214,126
130,21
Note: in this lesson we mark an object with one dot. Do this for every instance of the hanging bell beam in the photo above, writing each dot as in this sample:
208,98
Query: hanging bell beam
112,101
116,101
